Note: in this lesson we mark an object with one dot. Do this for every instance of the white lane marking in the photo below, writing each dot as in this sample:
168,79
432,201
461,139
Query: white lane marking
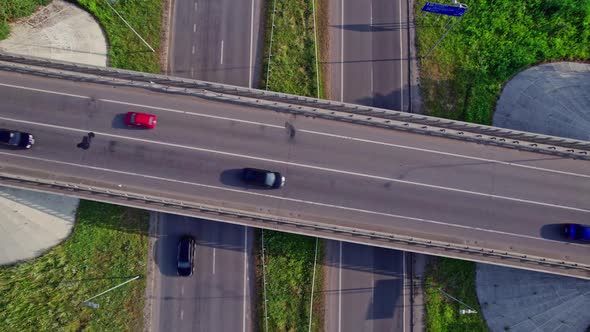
251,65
195,27
195,6
342,50
193,49
182,290
245,278
401,62
319,168
221,56
213,260
340,290
152,177
356,139
371,64
404,291
192,72
449,154
181,314
45,91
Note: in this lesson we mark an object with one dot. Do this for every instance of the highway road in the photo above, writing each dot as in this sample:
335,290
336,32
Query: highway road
216,41
368,65
368,57
365,288
217,297
337,173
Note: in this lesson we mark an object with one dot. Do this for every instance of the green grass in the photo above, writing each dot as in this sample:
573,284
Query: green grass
495,40
108,246
126,50
289,271
457,278
13,9
292,68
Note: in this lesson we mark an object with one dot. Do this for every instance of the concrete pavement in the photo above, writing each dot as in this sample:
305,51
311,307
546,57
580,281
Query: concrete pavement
516,300
551,99
59,31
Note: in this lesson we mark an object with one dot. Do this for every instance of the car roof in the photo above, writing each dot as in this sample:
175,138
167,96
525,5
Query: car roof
142,117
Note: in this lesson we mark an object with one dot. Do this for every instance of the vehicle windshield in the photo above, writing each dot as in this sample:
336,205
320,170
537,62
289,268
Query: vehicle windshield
270,179
151,122
184,265
14,138
132,118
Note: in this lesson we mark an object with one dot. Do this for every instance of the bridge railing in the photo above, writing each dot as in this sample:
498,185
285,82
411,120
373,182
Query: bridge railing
305,106
292,225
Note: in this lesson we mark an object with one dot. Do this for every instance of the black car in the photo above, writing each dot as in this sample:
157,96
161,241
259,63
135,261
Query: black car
186,248
263,178
16,139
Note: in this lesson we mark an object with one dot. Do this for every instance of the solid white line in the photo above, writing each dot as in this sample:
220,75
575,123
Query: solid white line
245,278
404,291
340,289
251,65
152,177
195,27
193,49
370,63
181,314
341,50
319,168
45,91
448,154
401,62
213,260
316,133
221,57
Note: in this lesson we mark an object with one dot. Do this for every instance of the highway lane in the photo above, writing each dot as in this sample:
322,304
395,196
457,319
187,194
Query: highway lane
447,197
220,284
367,66
365,288
216,41
368,57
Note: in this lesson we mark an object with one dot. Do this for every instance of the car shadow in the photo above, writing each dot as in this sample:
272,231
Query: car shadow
164,248
232,177
553,232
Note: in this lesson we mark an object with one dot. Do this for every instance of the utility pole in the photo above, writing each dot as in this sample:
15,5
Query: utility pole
137,34
96,305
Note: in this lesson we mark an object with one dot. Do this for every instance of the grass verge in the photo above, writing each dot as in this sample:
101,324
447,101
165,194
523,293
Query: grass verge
495,40
457,278
293,64
108,246
12,9
126,50
289,271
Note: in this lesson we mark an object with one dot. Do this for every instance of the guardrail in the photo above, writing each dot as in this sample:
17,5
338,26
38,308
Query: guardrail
284,224
305,106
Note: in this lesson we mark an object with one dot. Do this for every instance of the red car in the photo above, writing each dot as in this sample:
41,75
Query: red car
141,120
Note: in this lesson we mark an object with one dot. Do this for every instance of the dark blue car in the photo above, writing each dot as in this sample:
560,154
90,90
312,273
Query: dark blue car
577,232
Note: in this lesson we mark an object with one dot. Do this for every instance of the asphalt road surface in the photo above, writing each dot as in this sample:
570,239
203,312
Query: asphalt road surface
368,66
368,58
213,41
337,173
217,297
216,41
365,288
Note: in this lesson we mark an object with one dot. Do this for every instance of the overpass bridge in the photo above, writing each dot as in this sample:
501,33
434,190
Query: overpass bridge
354,173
